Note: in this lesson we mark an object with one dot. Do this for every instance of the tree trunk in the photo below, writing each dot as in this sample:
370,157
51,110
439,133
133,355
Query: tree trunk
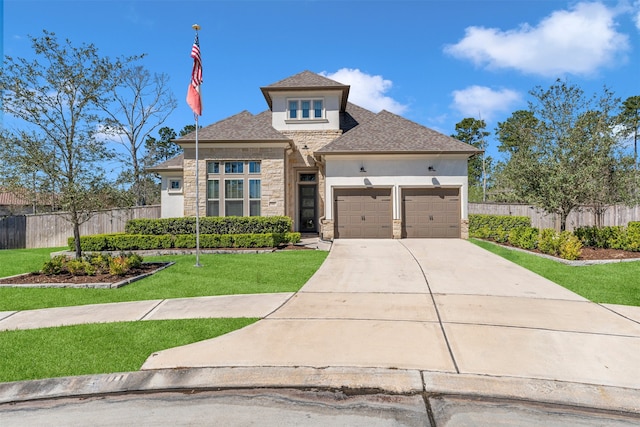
76,234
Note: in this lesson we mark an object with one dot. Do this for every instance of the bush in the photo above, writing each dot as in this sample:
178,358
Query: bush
119,266
495,227
92,264
569,246
524,237
210,225
633,237
601,237
548,242
55,265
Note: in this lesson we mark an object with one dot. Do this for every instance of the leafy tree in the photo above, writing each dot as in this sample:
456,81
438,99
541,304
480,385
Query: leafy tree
630,120
162,149
58,96
517,136
562,152
472,131
188,129
142,103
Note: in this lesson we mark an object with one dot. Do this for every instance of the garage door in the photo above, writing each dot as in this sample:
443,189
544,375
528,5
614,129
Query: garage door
431,212
363,213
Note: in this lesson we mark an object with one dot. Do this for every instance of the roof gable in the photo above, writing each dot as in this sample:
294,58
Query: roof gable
390,133
306,81
243,126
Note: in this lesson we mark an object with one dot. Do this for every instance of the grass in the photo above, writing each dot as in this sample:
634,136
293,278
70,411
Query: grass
220,274
18,261
614,283
99,348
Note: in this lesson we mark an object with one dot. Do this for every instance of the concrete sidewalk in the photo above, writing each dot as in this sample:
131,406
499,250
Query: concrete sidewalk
431,305
250,305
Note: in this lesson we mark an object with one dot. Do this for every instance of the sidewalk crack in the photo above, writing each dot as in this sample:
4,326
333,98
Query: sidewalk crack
153,310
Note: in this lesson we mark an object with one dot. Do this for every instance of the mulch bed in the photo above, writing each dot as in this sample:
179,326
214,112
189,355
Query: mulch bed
39,278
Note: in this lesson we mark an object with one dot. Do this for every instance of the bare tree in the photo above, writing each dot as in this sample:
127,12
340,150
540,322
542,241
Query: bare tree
141,103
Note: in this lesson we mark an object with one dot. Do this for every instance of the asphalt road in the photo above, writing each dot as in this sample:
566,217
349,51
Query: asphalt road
290,407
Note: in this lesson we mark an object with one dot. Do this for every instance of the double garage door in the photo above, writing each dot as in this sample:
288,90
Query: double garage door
426,212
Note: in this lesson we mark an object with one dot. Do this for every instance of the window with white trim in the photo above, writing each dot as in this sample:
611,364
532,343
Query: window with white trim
305,109
234,188
175,185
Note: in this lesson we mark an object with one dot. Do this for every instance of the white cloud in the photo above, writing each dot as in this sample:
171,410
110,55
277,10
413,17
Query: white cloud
367,91
636,17
483,102
577,41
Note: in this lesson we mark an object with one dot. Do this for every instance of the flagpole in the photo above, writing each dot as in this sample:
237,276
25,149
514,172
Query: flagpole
197,201
196,27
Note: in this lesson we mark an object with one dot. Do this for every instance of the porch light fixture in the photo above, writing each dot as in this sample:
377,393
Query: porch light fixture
431,169
305,147
362,169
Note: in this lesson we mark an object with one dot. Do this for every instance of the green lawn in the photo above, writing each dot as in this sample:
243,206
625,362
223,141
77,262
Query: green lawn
220,274
99,348
18,261
615,283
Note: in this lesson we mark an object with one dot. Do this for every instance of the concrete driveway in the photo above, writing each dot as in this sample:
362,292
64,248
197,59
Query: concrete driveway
433,305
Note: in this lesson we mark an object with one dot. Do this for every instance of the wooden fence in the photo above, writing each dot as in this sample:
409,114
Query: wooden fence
53,230
613,215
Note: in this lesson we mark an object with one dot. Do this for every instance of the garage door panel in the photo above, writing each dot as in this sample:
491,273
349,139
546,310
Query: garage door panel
363,213
431,212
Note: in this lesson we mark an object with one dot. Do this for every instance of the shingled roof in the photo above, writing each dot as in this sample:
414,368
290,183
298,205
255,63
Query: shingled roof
173,164
306,81
243,126
390,133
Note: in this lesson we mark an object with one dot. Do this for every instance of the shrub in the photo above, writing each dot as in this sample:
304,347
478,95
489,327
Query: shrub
601,237
524,237
118,266
77,266
633,237
548,242
569,246
292,237
91,264
55,265
495,227
210,225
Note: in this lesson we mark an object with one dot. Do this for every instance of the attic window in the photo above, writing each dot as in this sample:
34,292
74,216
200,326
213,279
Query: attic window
305,109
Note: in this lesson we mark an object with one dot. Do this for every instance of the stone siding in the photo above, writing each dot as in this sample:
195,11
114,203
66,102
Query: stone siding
327,229
272,176
397,229
301,160
464,229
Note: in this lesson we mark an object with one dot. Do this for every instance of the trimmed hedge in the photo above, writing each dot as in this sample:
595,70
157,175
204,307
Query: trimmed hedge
210,225
130,242
495,227
517,231
614,237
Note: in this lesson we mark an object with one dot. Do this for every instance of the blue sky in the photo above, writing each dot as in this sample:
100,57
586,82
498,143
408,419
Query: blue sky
433,62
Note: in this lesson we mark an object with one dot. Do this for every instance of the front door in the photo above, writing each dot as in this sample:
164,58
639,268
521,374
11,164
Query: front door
307,212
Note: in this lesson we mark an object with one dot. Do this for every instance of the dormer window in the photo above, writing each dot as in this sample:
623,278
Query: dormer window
305,109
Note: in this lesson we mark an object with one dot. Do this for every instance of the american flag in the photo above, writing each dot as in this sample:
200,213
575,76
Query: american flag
193,94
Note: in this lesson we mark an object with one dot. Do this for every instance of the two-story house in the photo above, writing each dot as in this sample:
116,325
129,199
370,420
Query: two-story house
335,168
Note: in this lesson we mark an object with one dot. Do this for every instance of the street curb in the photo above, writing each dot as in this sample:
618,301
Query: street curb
351,380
